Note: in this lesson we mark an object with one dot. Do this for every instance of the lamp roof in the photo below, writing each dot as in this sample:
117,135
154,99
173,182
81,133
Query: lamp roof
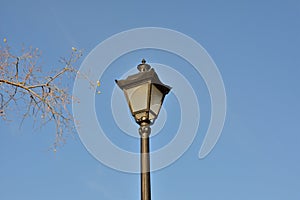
146,74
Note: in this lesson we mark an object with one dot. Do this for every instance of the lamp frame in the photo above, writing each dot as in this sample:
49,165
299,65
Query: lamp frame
147,75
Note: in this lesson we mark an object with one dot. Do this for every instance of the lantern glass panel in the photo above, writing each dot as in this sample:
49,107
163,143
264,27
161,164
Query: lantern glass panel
137,97
156,102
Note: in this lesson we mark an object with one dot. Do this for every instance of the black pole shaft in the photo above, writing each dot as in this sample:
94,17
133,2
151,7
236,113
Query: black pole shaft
145,163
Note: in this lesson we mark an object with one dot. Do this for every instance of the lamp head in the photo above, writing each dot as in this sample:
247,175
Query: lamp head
144,93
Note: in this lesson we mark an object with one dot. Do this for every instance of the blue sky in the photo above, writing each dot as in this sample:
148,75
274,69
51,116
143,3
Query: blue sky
255,45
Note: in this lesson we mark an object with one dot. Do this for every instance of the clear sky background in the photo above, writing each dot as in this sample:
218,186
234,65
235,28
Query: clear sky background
255,45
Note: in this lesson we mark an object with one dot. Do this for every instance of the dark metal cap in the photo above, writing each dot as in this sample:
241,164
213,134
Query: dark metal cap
143,67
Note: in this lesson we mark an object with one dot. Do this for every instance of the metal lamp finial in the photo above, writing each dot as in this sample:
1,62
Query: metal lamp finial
143,67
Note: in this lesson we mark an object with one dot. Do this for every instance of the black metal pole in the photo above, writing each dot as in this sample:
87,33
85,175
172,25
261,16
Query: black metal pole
145,131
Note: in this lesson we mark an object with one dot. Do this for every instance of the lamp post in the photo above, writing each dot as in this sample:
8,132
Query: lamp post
144,94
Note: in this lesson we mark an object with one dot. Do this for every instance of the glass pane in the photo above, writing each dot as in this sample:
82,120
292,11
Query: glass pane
156,98
137,97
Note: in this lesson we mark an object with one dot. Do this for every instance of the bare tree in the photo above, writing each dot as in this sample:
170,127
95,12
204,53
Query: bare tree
26,89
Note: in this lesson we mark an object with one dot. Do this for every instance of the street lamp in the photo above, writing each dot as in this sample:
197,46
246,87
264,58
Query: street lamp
145,94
